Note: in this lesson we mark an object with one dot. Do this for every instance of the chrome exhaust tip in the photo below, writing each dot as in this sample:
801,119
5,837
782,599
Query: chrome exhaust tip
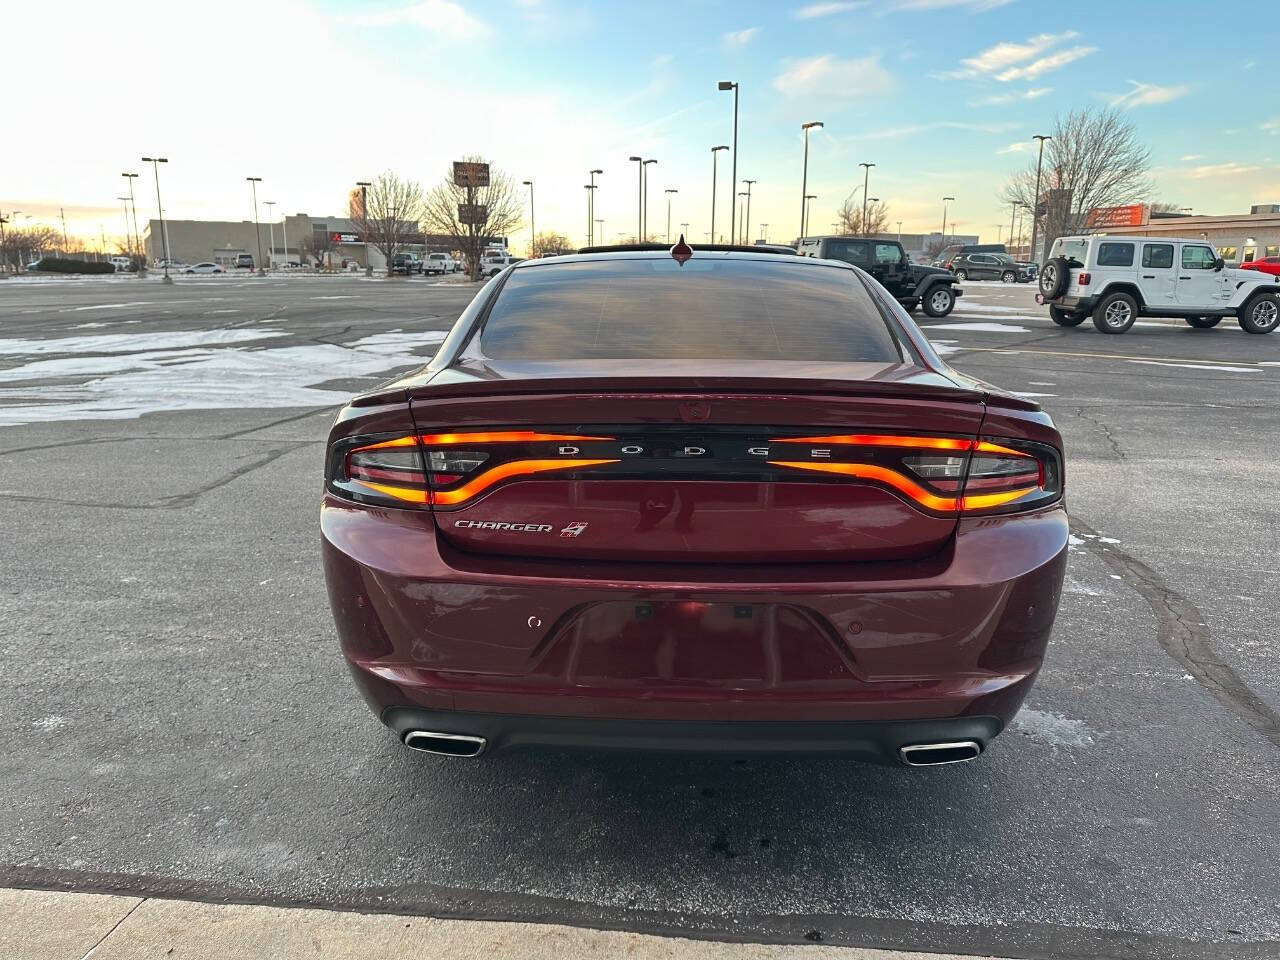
937,754
444,744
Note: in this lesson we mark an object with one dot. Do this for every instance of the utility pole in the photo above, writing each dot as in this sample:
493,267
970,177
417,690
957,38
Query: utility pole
764,232
600,230
746,226
533,224
945,201
364,186
731,85
866,176
127,240
804,178
137,240
271,228
714,151
1035,202
639,161
644,202
591,206
669,191
253,182
65,242
164,234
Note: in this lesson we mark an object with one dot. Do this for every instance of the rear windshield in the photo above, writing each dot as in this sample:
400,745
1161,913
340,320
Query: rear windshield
708,309
1072,249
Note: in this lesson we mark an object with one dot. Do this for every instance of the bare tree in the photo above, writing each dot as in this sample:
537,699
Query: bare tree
849,216
1095,159
391,214
29,243
502,207
316,246
552,245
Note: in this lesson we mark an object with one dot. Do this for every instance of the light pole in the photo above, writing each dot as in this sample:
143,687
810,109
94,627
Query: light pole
364,186
533,233
271,228
4,254
684,231
866,176
864,216
137,240
945,201
164,236
1036,200
644,222
669,191
764,232
805,211
639,162
804,177
741,201
714,151
899,231
253,182
746,226
591,205
127,239
732,85
1013,215
600,230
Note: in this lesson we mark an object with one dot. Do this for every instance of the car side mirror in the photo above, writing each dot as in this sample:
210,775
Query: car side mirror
1219,264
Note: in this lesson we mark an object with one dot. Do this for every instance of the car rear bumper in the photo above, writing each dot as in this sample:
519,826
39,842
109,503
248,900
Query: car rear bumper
1070,304
430,633
876,742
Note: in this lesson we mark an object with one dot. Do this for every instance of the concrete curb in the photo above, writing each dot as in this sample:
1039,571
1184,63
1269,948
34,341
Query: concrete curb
43,925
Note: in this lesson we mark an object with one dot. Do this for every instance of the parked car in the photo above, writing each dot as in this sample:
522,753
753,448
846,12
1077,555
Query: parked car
493,263
950,252
205,267
1269,265
692,525
122,264
989,266
440,263
406,263
244,261
911,284
1115,280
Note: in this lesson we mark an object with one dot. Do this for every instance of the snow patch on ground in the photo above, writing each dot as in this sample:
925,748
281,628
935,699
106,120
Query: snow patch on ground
128,375
979,327
1030,396
944,347
1052,729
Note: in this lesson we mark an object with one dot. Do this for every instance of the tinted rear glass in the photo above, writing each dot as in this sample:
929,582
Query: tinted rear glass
708,309
850,251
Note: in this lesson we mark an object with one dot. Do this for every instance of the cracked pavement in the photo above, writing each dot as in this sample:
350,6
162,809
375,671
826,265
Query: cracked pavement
179,722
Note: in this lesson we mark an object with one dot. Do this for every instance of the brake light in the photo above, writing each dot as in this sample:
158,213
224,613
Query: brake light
974,476
1082,279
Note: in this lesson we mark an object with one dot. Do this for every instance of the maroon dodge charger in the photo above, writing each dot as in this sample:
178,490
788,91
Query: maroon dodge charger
705,499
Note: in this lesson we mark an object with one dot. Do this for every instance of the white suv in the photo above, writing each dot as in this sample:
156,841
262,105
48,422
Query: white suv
1115,279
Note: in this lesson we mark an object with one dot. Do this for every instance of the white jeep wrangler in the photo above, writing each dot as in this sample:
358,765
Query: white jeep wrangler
1116,279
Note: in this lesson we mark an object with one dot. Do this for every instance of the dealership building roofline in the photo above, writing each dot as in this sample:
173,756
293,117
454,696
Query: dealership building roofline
1238,237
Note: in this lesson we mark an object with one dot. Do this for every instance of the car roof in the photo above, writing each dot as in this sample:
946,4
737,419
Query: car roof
664,253
1109,237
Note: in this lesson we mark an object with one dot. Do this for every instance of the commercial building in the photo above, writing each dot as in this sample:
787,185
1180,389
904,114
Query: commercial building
333,242
1238,238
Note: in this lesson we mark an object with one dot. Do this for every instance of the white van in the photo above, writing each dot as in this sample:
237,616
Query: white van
122,263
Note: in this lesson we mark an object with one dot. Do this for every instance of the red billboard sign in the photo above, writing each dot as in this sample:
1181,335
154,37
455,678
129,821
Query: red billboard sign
1132,215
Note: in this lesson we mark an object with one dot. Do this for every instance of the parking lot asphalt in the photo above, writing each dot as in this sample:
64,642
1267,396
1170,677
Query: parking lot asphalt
178,721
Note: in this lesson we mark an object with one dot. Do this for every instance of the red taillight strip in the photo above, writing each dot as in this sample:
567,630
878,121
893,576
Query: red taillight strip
514,468
505,436
407,494
869,471
892,440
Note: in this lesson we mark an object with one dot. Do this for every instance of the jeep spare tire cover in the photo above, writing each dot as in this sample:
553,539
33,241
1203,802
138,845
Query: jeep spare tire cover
1053,278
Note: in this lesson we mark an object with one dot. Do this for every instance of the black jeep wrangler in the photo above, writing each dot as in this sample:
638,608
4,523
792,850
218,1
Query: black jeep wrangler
911,284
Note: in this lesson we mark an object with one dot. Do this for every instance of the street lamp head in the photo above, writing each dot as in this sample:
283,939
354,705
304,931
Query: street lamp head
647,162
716,149
527,183
595,171
945,199
363,183
128,174
637,159
671,190
254,179
867,165
811,124
726,85
1041,137
811,196
873,199
155,160
749,182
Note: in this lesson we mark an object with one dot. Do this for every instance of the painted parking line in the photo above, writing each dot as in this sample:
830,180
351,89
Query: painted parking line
1190,362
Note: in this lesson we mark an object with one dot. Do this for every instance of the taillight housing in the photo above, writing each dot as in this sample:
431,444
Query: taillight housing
381,469
1083,279
942,475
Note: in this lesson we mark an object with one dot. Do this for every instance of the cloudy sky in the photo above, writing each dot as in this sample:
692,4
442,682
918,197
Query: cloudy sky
942,95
